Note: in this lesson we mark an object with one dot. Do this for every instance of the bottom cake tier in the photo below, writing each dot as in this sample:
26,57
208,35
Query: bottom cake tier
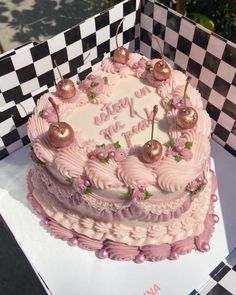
126,240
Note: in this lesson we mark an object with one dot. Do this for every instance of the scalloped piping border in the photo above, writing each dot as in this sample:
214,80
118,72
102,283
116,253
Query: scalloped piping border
124,252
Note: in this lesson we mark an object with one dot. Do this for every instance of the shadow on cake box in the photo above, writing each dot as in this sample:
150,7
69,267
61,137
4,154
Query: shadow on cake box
29,71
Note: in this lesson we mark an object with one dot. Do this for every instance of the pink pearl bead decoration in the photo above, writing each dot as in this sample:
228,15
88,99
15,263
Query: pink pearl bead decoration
179,148
142,189
102,253
46,221
199,179
135,66
135,199
91,77
45,115
215,218
174,255
73,241
100,155
204,181
87,183
214,198
205,247
111,154
140,258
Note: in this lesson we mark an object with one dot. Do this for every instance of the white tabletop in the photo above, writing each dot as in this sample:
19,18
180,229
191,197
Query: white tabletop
71,270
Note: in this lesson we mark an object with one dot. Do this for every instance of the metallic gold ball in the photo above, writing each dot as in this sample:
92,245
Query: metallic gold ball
121,55
161,70
186,118
66,89
151,153
60,135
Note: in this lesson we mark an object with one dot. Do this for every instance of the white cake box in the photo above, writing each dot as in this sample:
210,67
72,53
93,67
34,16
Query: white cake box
26,73
29,71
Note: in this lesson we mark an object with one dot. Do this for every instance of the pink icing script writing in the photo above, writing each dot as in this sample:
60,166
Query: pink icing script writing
142,125
110,130
109,109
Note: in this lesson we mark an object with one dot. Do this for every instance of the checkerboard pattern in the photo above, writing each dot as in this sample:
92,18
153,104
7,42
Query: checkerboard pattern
222,280
26,73
208,58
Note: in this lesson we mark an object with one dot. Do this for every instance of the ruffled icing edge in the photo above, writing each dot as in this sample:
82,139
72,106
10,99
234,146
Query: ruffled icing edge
123,252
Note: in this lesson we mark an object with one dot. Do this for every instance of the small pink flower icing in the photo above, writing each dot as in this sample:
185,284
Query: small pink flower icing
137,196
78,183
49,114
120,155
186,154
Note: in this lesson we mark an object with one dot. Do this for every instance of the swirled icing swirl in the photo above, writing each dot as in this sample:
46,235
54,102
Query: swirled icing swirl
70,162
134,173
102,175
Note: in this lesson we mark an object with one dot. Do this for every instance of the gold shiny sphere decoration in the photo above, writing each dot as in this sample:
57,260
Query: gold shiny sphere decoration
60,134
121,55
186,118
66,89
152,151
161,70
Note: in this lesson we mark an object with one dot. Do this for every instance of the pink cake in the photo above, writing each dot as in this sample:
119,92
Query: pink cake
98,190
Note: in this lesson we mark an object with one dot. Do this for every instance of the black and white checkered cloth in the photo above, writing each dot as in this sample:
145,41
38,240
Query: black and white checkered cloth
222,280
27,73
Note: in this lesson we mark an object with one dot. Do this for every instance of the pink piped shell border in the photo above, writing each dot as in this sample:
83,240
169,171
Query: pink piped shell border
124,252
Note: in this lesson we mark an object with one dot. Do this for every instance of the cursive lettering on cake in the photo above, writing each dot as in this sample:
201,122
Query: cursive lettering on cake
110,130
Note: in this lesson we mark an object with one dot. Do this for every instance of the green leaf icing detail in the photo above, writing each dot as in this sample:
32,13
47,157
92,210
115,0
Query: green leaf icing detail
105,160
147,195
41,113
130,191
178,158
117,145
148,68
87,190
40,164
171,143
70,179
94,84
188,145
100,146
78,82
170,102
105,80
91,95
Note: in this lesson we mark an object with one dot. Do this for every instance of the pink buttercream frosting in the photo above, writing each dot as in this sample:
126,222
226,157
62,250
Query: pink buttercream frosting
122,251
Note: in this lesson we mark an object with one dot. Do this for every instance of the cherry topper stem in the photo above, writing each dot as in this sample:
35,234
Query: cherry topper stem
117,30
159,45
155,110
185,90
58,69
55,108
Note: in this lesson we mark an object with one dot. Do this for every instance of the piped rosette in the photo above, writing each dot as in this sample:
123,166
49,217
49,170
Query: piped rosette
101,167
185,163
96,88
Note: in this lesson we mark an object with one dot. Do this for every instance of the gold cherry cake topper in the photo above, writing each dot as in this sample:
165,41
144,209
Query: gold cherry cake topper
65,87
161,70
121,54
152,150
186,117
60,134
